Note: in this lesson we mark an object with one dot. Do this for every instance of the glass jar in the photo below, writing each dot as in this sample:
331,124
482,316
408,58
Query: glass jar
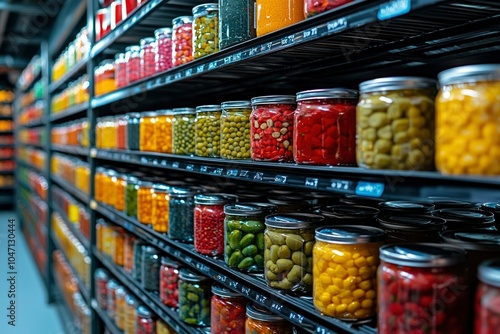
413,279
121,132
293,203
236,22
164,328
147,132
181,215
119,245
487,315
109,189
349,215
404,208
146,321
345,261
133,58
273,15
102,23
120,308
99,184
116,13
271,134
120,185
169,282
137,272
145,203
148,55
128,253
209,222
325,127
205,30
112,286
133,129
130,314
183,131
182,40
315,7
128,7
261,321
163,131
106,81
235,130
131,190
244,237
227,311
163,50
289,241
150,276
160,200
395,123
495,209
457,219
412,228
194,298
101,288
207,131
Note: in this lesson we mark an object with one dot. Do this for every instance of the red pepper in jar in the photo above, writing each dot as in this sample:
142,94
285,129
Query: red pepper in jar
182,40
228,311
147,57
272,128
146,321
169,282
163,51
314,7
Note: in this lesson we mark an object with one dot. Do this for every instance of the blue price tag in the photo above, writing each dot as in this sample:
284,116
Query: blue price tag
393,9
370,189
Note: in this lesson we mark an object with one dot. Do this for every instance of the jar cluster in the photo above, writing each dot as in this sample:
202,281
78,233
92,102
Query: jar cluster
75,133
76,50
76,93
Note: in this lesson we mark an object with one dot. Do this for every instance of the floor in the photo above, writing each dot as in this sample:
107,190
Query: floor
33,314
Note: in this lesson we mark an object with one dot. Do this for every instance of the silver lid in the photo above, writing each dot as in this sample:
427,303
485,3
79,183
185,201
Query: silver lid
470,73
396,83
273,99
223,292
209,108
182,20
215,199
294,220
165,112
183,111
261,314
188,275
200,9
331,93
134,115
489,272
147,40
236,104
133,48
422,255
482,240
149,114
243,210
347,234
163,31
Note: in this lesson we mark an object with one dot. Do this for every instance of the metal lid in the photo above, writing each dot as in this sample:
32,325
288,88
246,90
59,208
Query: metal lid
294,220
112,284
360,200
292,200
205,7
333,93
188,275
273,99
183,111
261,314
165,112
482,240
182,20
170,262
445,203
146,248
396,83
146,184
209,108
346,234
101,274
491,207
134,115
489,272
223,292
413,223
163,31
422,255
349,212
470,217
161,187
143,311
133,48
268,208
149,114
147,40
394,207
181,192
130,300
215,199
470,73
120,291
243,210
236,104
119,55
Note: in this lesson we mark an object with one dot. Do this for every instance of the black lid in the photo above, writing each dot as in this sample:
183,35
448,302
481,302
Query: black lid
256,312
224,292
292,200
349,212
294,220
481,240
395,207
243,210
170,262
422,255
468,217
345,234
360,200
491,207
251,196
446,203
489,272
412,223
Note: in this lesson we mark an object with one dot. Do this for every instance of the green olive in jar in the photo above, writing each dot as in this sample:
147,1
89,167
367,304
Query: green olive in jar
183,131
235,130
205,30
207,131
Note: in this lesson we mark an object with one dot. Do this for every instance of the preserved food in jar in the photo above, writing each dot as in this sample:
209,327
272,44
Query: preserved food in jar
101,288
137,272
121,132
116,13
400,208
112,286
345,261
468,120
236,22
271,134
128,253
315,7
261,321
99,184
349,215
164,328
487,315
163,51
130,318
120,70
457,219
109,189
194,298
119,245
244,237
324,131
145,203
227,312
150,276
105,77
395,123
169,282
147,132
295,203
412,228
413,279
182,40
163,131
160,200
181,215
289,242
133,129
273,15
120,308
120,185
131,191
235,130
133,58
146,321
205,30
207,131
183,131
148,65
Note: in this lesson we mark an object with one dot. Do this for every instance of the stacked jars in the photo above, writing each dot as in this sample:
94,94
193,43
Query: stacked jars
205,30
273,15
236,22
235,130
194,298
207,131
315,7
325,127
160,208
133,59
182,40
487,316
147,136
227,312
183,131
120,70
148,55
163,50
181,215
169,282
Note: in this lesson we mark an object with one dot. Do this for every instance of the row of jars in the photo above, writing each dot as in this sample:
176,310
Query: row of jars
73,170
72,54
37,205
112,13
75,133
32,113
75,213
35,181
31,136
76,93
34,94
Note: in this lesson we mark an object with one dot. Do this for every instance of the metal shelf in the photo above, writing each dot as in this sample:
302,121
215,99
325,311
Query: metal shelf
36,145
78,68
27,165
110,324
64,310
70,112
71,189
34,123
76,232
75,150
29,85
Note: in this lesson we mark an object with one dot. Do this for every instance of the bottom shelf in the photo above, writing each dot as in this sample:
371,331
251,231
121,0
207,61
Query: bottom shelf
68,320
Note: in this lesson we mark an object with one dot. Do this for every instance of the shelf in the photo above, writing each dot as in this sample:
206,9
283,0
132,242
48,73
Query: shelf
30,84
297,310
36,145
76,232
70,112
37,122
78,68
27,165
69,188
6,188
75,150
6,172
64,310
388,184
169,315
110,324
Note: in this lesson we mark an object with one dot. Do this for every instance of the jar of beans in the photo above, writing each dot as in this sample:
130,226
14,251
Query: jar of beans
236,22
147,137
145,203
207,131
137,272
163,131
146,320
130,314
235,130
101,280
133,58
120,70
209,222
325,127
160,208
272,128
150,274
194,298
205,30
131,196
148,55
112,286
227,311
182,40
181,215
183,131
163,50
121,132
133,125
169,282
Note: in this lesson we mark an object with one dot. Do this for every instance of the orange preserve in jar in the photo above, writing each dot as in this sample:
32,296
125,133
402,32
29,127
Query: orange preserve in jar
120,184
161,199
99,184
145,203
163,131
273,15
260,321
119,249
109,187
147,132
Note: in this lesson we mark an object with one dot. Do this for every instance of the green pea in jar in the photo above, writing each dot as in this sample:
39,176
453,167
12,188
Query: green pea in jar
207,131
235,130
205,30
195,293
183,131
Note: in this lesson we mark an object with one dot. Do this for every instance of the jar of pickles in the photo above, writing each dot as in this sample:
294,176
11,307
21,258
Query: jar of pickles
160,208
181,215
236,22
315,7
457,219
422,285
395,123
147,138
120,308
183,131
194,298
169,282
137,272
349,215
150,273
293,203
120,70
227,312
146,321
487,315
412,228
148,57
112,286
244,237
133,130
131,191
101,289
325,127
133,58
261,321
272,128
205,29
207,131
130,314
182,40
209,222
145,203
235,130
345,261
273,15
289,241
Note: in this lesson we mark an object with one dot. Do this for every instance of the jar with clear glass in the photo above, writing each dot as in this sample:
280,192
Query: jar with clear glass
121,70
112,286
228,311
235,130
128,253
133,58
261,321
207,131
150,274
273,15
236,22
120,308
147,57
183,130
163,131
487,308
315,7
194,298
137,272
145,203
101,289
146,320
119,246
121,132
159,217
163,49
147,132
205,29
181,215
395,123
130,314
169,281
133,130
120,186
109,189
131,190
182,40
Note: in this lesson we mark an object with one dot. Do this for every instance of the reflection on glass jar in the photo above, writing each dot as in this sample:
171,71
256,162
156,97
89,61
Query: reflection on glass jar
273,15
487,315
194,298
235,130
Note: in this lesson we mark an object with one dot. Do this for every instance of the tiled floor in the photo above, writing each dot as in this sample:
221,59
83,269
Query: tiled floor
33,314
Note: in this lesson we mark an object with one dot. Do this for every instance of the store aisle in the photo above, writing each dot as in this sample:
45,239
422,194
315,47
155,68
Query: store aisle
33,314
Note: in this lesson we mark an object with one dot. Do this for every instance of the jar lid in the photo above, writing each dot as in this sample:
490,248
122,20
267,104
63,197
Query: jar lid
349,212
273,99
184,111
100,274
292,200
470,73
346,234
119,55
134,115
489,272
223,292
268,208
120,291
149,114
422,255
252,196
214,199
163,31
146,184
188,275
181,192
112,284
182,20
472,217
170,262
147,40
491,207
133,180
243,210
294,220
396,83
165,112
482,240
412,223
198,10
333,93
161,187
143,311
133,48
360,200
146,248
445,203
394,207
130,300
209,108
261,314
236,104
